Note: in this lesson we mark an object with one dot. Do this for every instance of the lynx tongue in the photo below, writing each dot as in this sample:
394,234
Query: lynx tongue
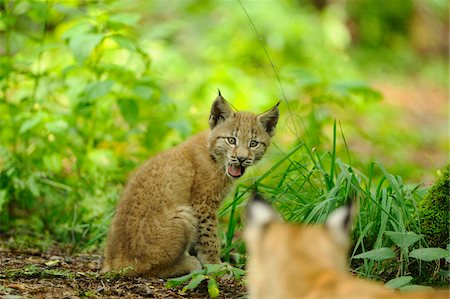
236,170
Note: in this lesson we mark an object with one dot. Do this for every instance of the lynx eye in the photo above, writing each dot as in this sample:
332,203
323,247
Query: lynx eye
254,143
231,140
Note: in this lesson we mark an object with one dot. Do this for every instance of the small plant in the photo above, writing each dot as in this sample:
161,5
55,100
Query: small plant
210,273
404,240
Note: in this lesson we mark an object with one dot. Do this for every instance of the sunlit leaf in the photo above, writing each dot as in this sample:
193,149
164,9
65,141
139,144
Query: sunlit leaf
403,239
128,19
129,109
379,254
398,282
415,287
97,89
57,126
124,42
102,158
429,254
143,91
78,29
213,268
213,288
82,45
238,273
181,126
53,162
174,282
194,283
30,123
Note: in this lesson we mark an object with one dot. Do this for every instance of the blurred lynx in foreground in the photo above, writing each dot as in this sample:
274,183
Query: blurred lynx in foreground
165,223
310,262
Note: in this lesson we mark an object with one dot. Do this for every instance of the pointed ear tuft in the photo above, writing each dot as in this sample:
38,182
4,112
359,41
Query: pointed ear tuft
339,223
260,212
269,119
220,110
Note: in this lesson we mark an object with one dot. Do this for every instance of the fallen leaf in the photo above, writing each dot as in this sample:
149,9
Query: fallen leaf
52,263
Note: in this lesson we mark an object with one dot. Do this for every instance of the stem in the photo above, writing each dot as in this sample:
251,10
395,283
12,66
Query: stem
38,75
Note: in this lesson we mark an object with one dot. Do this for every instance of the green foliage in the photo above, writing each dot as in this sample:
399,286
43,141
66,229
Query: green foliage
211,273
403,283
403,241
379,254
90,89
306,186
76,85
434,211
398,282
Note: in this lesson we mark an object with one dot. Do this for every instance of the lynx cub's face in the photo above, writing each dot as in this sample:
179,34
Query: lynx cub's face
239,139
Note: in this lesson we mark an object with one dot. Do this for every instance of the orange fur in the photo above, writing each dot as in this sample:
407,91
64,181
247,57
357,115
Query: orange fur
165,224
297,261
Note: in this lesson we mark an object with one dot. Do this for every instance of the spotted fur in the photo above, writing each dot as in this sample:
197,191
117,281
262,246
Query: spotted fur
165,224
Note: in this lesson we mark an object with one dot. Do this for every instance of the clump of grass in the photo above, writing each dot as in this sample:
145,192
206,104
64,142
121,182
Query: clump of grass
306,186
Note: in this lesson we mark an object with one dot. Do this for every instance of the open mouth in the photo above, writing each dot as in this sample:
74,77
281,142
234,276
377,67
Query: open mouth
235,170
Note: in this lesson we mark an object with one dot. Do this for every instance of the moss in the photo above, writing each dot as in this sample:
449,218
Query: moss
434,212
434,216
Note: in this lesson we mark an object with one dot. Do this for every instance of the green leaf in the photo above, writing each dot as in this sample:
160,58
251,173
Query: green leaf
57,126
129,109
429,254
379,254
3,198
78,29
83,44
30,123
213,268
124,42
398,282
346,88
415,287
183,127
195,281
53,162
447,258
403,240
174,282
129,19
143,91
102,158
237,272
213,288
96,90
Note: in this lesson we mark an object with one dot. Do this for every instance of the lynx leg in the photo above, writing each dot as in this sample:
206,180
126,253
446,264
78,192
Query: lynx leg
157,246
208,245
185,265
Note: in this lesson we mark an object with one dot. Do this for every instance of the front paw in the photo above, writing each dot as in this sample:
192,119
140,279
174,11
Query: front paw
208,258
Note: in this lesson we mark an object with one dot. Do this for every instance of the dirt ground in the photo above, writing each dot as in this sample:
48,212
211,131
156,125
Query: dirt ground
32,274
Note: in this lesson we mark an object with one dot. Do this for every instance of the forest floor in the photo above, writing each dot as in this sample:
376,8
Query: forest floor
54,274
33,274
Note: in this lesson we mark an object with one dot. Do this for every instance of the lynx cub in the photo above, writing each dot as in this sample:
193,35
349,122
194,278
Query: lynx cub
310,262
165,223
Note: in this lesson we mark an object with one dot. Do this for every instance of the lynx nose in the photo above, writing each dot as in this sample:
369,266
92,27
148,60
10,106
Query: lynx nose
241,159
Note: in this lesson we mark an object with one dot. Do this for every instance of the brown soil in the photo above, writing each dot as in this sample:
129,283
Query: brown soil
32,274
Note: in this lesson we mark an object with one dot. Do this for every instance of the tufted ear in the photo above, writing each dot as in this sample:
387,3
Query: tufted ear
340,222
269,119
260,212
220,111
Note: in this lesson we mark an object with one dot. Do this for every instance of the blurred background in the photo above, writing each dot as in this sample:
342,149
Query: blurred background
91,89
